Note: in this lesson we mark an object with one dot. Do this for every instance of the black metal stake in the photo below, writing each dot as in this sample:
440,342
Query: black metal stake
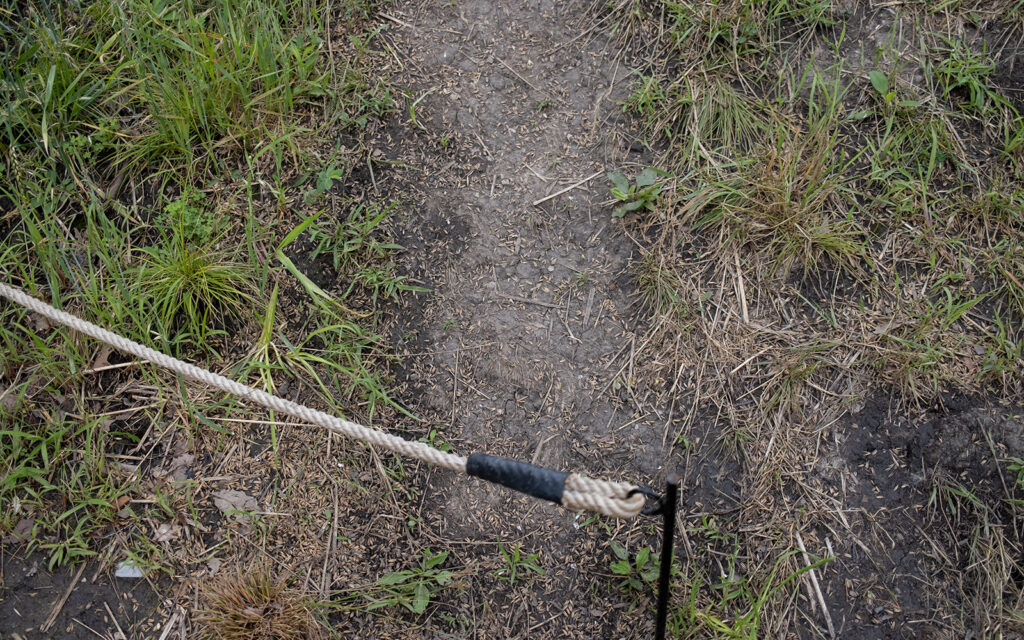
668,510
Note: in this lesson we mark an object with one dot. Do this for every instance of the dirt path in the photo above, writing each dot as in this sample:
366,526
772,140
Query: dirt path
530,302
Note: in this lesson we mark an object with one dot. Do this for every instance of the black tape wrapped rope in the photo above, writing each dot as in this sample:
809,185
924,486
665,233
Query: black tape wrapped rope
546,484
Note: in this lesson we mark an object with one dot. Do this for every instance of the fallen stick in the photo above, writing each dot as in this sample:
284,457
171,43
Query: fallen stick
120,631
57,606
817,589
742,292
401,23
169,626
567,189
528,83
109,367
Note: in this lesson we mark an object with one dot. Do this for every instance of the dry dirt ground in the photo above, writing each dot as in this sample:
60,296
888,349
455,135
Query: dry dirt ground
528,345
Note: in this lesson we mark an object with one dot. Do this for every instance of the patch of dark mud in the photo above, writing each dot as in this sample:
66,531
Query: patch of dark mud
1008,47
904,569
29,594
426,233
826,283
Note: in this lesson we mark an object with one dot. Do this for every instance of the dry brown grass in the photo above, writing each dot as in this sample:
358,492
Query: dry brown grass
825,243
254,605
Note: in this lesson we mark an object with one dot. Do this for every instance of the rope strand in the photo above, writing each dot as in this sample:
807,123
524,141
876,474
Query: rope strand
601,496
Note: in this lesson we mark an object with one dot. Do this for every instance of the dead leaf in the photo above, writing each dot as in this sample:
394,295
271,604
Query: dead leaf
235,504
178,470
21,531
213,564
102,356
198,526
8,399
130,469
180,466
39,323
889,327
166,532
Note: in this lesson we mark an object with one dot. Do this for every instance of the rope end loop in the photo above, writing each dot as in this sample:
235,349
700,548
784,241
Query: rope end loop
658,501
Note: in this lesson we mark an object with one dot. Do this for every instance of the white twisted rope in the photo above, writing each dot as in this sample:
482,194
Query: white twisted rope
601,496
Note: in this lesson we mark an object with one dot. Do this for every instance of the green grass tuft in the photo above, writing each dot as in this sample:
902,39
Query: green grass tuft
192,289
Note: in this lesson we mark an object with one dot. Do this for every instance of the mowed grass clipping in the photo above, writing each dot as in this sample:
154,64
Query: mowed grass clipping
159,159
